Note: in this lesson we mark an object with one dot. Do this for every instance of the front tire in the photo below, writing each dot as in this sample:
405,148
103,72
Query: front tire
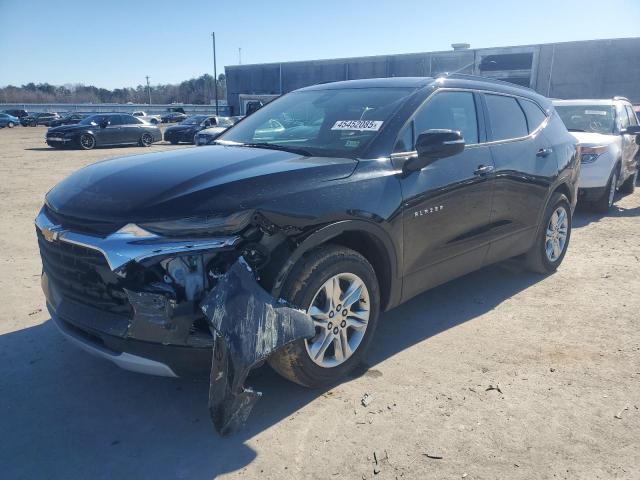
173,142
87,141
605,202
338,287
10,124
552,239
629,185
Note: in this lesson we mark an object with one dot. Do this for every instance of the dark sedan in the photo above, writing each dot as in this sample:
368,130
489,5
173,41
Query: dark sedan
186,131
104,129
36,119
69,119
173,117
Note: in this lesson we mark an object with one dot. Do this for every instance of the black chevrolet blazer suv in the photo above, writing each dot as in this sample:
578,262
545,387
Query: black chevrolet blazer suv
344,199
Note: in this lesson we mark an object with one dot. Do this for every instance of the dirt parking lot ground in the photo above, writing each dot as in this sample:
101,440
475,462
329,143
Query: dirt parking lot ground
564,351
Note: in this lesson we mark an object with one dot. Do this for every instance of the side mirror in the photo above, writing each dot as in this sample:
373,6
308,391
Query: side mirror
631,130
433,145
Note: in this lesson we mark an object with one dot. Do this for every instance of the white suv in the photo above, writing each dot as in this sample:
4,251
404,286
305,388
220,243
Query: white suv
608,134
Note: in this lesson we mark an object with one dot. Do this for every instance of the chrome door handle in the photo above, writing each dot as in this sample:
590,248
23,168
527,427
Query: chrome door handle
544,152
483,170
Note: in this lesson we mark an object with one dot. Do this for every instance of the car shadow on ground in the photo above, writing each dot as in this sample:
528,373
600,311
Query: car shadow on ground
65,414
584,215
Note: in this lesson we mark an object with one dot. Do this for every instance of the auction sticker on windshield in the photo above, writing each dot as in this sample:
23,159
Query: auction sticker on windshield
362,125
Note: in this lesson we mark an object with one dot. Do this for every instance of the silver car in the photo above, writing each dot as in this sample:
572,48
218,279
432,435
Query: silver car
608,134
208,135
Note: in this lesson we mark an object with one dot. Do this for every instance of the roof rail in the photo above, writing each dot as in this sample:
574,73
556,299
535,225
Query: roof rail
622,98
468,76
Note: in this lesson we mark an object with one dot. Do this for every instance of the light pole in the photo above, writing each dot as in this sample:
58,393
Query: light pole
148,89
215,70
239,55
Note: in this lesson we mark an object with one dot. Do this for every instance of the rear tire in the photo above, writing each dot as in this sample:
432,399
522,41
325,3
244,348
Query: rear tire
308,279
605,202
629,185
544,257
145,140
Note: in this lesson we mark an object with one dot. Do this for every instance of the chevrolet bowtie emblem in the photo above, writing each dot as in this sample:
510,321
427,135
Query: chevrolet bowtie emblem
51,234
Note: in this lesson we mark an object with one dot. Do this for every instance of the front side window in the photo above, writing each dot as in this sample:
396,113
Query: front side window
452,111
535,116
506,117
588,118
332,122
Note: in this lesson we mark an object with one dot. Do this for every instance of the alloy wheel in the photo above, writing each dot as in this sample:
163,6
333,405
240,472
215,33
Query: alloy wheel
146,140
340,313
87,142
556,235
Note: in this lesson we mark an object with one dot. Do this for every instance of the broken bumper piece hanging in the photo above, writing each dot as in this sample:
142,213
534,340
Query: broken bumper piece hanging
248,325
162,306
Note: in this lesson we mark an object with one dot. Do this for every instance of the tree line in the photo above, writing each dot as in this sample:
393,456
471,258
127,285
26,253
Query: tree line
199,91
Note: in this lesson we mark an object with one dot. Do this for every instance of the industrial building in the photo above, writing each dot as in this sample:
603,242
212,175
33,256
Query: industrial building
583,69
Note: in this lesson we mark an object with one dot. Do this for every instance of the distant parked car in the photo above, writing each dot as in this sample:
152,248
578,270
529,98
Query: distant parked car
36,119
173,117
7,120
609,134
68,119
208,135
104,129
153,119
186,131
16,112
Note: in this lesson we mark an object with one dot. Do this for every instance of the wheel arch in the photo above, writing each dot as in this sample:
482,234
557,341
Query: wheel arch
369,240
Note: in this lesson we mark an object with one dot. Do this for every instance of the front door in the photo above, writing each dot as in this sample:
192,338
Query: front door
447,204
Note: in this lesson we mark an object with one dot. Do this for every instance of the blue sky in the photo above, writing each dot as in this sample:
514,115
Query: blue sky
115,43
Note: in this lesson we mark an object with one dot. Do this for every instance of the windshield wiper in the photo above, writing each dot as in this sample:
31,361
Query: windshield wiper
576,130
275,146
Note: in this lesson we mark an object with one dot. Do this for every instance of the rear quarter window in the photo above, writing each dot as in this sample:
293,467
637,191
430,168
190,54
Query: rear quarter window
535,115
506,117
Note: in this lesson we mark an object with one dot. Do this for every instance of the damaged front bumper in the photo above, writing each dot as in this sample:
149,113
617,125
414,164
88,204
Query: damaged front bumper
135,298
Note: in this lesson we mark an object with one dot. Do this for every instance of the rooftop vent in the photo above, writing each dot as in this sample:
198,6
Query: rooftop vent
460,46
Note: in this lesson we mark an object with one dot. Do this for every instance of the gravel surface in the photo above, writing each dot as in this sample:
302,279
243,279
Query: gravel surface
500,374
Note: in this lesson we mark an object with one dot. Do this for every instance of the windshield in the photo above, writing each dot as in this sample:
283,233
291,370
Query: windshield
334,122
195,120
588,118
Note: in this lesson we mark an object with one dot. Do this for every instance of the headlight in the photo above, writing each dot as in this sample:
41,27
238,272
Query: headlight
591,154
200,226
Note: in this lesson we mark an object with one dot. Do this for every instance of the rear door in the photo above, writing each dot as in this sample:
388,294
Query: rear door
130,129
446,206
525,167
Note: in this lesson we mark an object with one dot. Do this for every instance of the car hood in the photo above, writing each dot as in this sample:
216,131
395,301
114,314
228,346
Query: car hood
594,139
217,180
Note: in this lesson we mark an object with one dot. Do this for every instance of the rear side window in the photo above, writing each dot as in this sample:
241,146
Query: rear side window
506,117
535,115
623,118
450,110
